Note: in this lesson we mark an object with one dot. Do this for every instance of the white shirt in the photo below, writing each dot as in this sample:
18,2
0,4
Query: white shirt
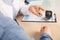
8,9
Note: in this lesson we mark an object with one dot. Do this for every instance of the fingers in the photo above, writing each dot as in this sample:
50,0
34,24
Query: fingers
39,8
39,14
36,10
32,9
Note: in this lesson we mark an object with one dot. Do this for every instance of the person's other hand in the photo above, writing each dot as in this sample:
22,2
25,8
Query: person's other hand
36,10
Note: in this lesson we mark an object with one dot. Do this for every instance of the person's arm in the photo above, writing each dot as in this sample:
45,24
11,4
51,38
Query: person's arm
25,9
34,9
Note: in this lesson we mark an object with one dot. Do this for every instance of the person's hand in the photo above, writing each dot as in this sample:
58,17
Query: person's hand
36,10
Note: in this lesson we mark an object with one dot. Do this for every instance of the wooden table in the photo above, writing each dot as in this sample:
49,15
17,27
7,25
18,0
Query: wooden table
33,28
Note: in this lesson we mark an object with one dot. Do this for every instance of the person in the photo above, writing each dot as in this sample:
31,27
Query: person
9,29
10,8
45,33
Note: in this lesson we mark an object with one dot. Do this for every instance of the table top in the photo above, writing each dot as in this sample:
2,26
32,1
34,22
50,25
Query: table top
33,28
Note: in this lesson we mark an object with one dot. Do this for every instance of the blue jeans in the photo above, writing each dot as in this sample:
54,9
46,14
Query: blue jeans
10,30
45,36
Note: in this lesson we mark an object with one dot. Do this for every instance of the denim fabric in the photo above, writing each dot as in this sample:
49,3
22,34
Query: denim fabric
10,30
45,36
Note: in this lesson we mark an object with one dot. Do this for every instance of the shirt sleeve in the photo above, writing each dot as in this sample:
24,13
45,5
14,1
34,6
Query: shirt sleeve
24,10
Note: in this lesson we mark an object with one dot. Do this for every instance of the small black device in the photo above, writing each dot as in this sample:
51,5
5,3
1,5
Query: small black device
48,14
26,2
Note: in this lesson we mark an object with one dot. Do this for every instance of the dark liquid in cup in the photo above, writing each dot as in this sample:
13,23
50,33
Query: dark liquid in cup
48,14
